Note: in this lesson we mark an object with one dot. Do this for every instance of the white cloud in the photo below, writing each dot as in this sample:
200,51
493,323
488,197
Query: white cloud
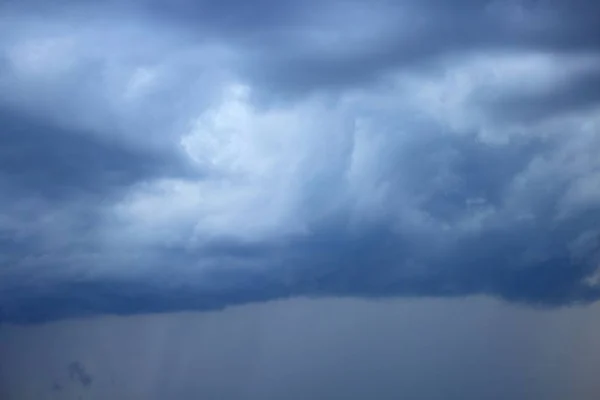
256,165
130,83
461,97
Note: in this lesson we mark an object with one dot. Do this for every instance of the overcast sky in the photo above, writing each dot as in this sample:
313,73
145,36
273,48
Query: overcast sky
177,155
259,171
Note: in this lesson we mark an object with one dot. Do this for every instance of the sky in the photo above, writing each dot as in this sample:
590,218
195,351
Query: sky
193,155
311,349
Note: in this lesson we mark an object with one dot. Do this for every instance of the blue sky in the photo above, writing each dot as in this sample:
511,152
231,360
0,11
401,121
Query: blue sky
169,155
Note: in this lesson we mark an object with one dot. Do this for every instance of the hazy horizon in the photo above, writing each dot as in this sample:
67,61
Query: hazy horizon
318,349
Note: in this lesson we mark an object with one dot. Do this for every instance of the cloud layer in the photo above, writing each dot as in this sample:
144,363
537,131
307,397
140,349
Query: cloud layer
193,155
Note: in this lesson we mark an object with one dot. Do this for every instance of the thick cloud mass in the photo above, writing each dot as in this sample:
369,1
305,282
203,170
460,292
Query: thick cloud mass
167,155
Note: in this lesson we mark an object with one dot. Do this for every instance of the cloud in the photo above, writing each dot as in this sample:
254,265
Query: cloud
193,156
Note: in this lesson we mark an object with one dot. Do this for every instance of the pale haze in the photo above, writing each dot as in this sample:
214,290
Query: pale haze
304,349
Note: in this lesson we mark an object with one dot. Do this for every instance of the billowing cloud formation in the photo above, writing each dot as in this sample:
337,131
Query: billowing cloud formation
168,155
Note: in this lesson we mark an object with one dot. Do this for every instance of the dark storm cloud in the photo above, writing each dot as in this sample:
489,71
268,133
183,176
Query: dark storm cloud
53,162
413,35
373,265
286,55
138,172
576,93
534,263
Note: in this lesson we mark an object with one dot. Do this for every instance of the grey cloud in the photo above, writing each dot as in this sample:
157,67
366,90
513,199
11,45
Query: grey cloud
532,261
284,56
577,93
54,162
293,61
436,209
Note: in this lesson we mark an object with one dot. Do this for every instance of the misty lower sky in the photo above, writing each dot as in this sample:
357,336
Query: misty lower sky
473,348
299,199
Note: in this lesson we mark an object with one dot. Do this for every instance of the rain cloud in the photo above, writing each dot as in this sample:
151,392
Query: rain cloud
174,155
